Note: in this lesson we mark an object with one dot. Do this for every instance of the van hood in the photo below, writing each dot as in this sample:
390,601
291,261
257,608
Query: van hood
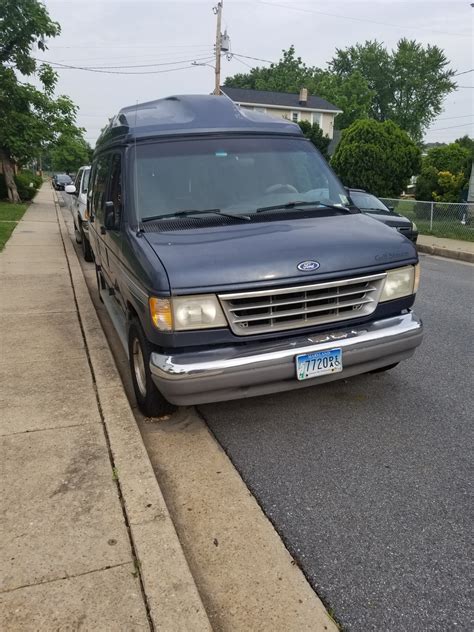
267,253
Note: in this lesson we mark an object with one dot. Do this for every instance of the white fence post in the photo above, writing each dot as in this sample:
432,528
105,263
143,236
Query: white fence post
431,216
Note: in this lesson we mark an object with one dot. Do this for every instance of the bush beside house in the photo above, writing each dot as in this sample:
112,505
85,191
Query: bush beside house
378,157
27,184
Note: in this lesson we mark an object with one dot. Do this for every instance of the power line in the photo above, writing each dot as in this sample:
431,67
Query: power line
267,61
438,129
115,72
86,61
464,72
448,118
242,61
346,17
164,63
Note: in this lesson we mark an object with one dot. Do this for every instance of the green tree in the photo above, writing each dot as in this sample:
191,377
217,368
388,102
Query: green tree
445,172
316,135
409,83
70,152
30,118
426,183
468,143
449,186
350,93
453,158
376,156
288,75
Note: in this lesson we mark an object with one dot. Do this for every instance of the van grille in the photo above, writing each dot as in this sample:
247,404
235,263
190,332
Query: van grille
301,306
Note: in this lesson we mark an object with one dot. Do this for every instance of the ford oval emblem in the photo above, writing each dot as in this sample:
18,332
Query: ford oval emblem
308,266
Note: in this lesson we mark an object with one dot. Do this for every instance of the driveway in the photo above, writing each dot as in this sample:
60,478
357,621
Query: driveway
367,481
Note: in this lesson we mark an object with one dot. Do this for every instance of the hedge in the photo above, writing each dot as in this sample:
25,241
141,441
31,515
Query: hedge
26,182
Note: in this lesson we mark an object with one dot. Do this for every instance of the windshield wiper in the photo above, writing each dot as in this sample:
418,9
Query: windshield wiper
187,212
296,204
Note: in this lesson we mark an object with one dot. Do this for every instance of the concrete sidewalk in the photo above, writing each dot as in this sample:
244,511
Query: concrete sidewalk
86,540
450,248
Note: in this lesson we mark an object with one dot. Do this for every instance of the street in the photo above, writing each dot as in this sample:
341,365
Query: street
367,480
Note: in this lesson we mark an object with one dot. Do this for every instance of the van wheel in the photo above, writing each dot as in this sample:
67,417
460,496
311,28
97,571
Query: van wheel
86,247
150,401
385,368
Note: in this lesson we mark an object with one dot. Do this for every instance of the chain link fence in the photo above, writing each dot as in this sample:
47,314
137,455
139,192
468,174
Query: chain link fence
441,219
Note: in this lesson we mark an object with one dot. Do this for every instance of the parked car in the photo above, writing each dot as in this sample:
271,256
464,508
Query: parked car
232,262
78,208
373,206
59,181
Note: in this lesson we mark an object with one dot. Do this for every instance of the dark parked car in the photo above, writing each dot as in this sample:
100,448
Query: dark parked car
231,260
59,181
371,205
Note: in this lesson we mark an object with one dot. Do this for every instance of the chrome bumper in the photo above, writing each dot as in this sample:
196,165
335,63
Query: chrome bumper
246,370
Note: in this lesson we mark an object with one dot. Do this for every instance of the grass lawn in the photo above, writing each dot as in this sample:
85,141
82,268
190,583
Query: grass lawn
10,215
449,226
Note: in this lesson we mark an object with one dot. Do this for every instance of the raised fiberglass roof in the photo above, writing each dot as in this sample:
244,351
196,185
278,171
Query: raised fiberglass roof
191,114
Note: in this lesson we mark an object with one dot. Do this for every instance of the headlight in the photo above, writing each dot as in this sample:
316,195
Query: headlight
182,313
401,282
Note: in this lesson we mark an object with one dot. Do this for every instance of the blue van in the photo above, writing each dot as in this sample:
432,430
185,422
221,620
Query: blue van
232,262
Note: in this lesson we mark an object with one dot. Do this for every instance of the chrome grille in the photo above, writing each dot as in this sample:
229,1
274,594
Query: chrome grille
301,306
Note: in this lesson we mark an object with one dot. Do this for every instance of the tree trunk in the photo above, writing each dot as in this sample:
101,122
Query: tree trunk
9,179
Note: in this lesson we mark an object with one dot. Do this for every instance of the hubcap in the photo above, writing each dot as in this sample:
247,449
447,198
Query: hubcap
139,366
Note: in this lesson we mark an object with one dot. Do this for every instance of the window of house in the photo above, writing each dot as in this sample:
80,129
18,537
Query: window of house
295,117
317,117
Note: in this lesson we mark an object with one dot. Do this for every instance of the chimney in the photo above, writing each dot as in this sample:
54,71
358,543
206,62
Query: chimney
303,96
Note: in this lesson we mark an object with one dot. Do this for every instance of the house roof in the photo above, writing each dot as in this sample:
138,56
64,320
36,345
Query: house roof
282,99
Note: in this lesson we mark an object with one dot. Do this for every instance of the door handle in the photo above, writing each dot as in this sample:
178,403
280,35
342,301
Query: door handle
103,230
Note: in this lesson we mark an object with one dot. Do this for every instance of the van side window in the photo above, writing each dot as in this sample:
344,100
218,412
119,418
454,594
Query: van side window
85,180
100,187
77,182
115,191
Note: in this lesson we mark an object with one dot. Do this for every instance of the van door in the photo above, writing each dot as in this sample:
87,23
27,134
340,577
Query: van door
97,200
114,206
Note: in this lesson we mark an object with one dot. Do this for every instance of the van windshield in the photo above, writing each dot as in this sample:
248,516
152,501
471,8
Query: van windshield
237,175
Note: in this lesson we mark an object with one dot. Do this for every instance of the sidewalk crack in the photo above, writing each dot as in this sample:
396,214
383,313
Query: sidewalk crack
66,576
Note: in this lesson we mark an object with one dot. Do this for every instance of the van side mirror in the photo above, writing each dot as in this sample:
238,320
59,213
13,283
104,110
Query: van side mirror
391,208
109,219
70,188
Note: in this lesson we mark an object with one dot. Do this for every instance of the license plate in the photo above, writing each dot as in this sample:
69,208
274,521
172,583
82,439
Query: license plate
319,363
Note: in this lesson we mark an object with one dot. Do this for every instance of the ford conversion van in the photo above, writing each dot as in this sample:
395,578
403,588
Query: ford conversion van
232,262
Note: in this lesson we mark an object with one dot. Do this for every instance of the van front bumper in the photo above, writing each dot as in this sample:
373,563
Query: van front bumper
250,369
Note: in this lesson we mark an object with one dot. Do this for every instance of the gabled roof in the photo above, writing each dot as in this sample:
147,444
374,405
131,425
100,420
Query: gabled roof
282,99
190,114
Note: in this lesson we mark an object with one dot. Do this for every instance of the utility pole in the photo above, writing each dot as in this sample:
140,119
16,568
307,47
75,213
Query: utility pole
218,11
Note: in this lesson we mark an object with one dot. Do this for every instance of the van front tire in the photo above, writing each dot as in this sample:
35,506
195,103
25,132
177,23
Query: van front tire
149,399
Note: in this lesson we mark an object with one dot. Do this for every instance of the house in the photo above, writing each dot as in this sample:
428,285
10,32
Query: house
295,107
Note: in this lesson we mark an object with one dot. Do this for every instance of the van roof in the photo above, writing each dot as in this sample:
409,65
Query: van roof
188,115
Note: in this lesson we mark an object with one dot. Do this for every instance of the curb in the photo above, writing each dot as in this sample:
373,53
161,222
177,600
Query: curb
460,255
171,595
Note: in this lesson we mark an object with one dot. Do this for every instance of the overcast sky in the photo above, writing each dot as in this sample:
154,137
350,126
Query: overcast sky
135,32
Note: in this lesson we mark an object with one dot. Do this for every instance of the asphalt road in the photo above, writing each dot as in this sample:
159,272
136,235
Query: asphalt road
367,481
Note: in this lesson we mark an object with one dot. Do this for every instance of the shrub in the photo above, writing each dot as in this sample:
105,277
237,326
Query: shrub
27,185
378,157
26,182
